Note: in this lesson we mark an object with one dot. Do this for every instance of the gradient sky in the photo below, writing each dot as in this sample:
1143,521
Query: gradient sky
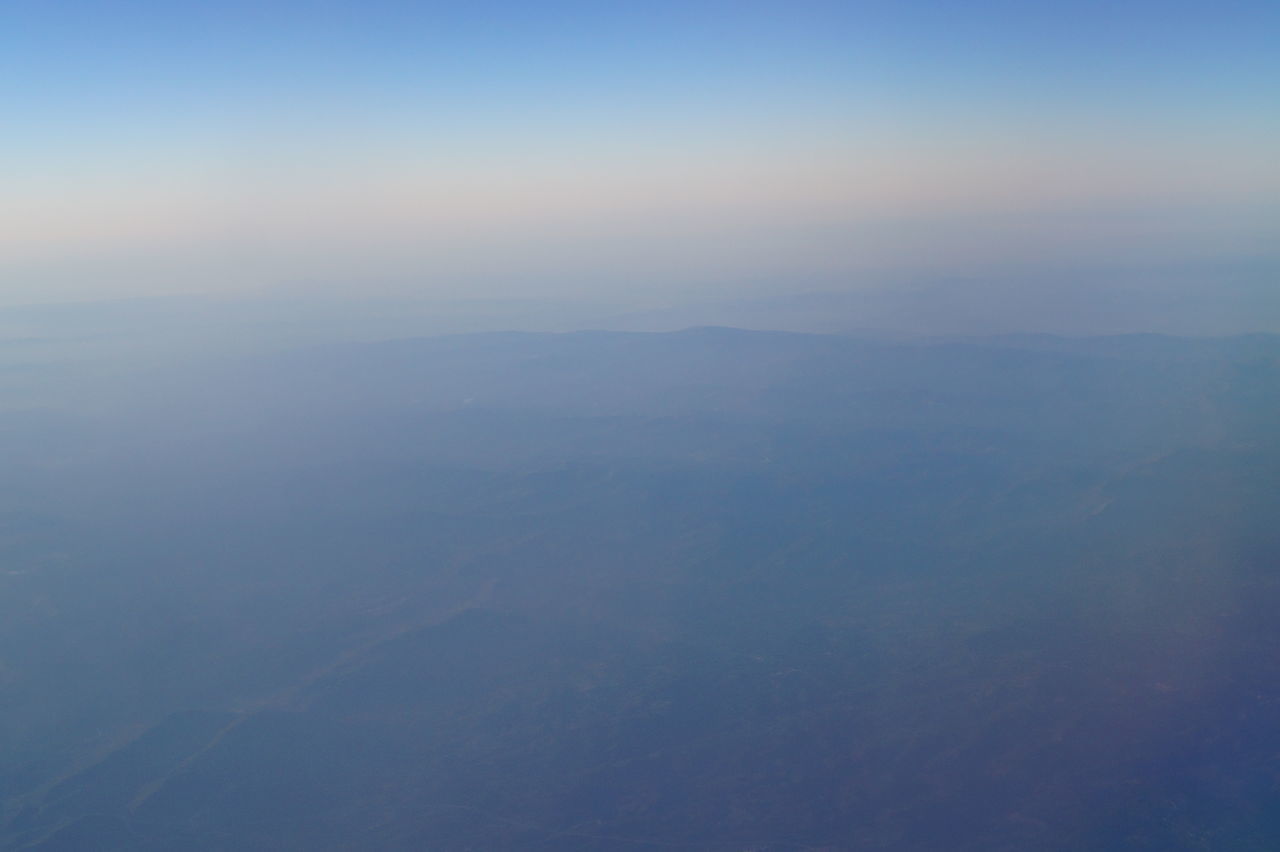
611,148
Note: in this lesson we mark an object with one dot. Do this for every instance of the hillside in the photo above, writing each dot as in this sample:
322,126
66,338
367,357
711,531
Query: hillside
708,590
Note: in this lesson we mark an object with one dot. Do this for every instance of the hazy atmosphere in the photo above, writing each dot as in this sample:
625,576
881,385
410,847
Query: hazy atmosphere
635,153
722,426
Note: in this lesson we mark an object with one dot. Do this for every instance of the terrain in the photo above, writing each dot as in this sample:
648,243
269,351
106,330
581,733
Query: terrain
711,589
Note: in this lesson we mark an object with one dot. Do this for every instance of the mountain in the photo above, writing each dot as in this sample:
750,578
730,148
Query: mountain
711,589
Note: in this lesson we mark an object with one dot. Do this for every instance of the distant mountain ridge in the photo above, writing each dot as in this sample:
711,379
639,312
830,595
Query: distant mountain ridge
708,589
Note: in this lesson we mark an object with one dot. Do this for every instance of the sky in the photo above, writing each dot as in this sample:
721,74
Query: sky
628,150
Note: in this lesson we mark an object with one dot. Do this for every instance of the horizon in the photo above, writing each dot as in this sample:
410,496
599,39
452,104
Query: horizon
564,150
605,425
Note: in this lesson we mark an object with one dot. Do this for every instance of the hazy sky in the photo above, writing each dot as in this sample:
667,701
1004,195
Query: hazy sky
601,148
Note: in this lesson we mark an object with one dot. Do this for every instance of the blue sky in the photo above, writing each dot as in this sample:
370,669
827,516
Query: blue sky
157,147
